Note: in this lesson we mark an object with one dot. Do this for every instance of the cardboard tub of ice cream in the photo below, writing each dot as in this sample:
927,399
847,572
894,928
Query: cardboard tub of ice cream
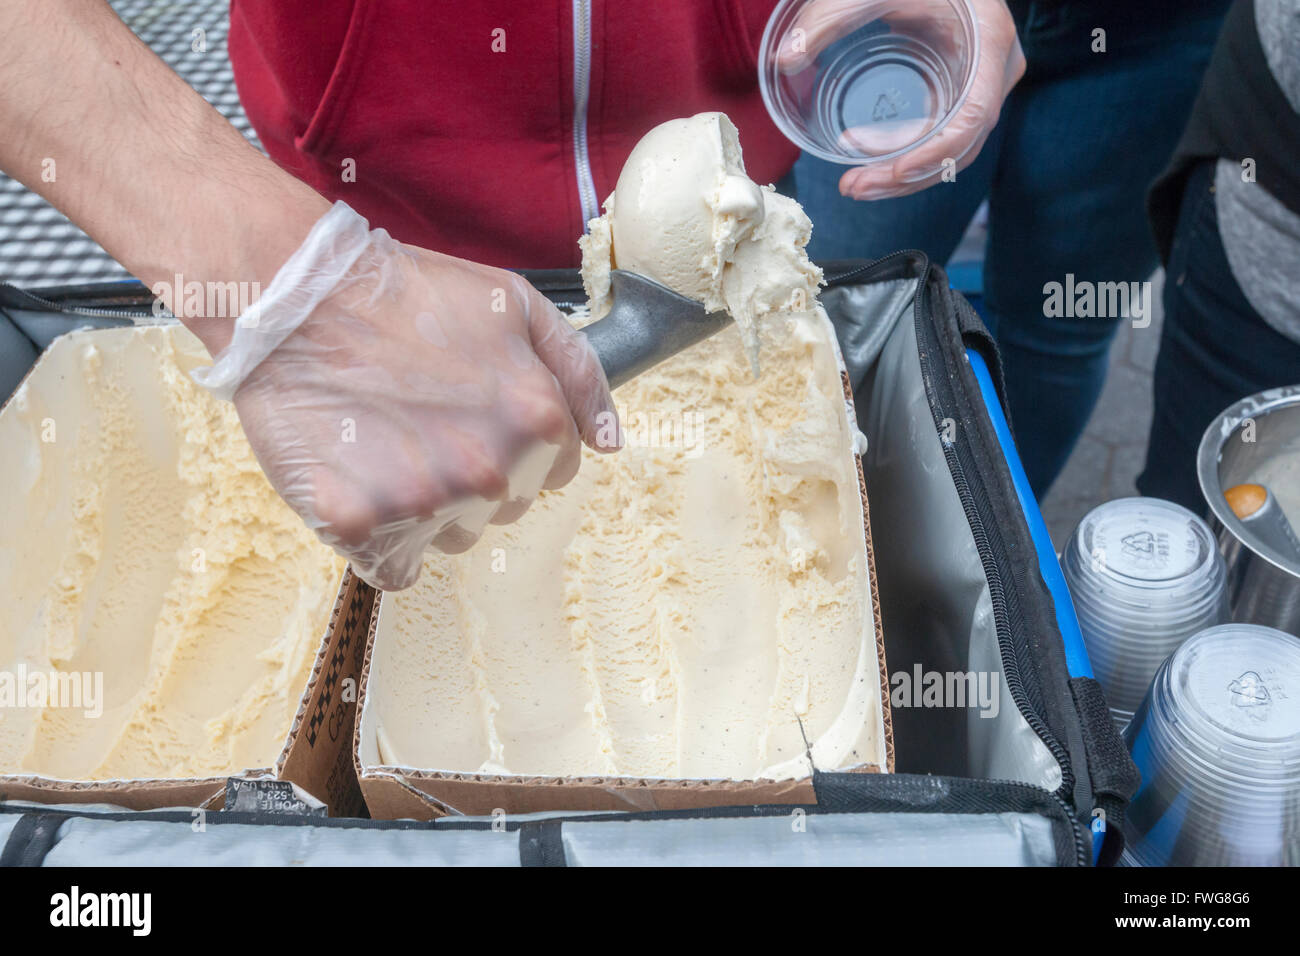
168,622
692,622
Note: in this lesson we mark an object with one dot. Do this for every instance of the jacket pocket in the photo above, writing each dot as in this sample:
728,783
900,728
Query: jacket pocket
319,135
742,23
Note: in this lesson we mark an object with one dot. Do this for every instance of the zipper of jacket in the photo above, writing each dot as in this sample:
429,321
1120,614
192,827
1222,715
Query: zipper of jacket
581,94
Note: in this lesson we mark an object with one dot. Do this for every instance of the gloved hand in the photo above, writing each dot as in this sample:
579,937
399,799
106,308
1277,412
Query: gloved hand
399,399
1000,66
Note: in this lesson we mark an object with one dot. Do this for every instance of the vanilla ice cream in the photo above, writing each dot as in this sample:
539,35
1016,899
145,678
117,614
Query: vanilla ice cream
693,606
698,605
685,214
142,547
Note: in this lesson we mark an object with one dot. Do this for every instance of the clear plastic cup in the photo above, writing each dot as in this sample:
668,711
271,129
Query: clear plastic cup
864,81
1144,575
1217,740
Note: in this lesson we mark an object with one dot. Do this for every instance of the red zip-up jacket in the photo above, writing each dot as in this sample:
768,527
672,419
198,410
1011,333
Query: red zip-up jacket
464,121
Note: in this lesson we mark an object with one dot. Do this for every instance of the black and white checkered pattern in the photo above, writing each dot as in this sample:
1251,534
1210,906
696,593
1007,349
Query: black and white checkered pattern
38,245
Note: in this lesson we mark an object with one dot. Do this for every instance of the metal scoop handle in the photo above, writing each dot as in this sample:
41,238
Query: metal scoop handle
1257,510
647,323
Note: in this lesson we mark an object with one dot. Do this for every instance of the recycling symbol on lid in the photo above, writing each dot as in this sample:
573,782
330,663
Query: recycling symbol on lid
888,105
1140,544
1249,690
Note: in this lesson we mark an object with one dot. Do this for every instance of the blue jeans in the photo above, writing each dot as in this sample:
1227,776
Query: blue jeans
1066,171
1214,348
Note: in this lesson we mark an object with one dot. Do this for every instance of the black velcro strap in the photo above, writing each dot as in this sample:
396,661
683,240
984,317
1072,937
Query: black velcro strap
31,839
1114,776
541,844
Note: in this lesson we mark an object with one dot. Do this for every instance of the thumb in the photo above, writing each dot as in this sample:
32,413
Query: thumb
573,362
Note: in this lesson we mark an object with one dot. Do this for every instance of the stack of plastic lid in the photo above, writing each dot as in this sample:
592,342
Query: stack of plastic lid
1144,575
1218,743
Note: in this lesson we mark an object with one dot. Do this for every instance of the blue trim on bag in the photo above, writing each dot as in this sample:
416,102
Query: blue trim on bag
1076,655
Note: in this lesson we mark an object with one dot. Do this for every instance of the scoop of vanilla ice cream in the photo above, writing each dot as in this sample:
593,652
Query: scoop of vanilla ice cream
681,204
770,271
685,214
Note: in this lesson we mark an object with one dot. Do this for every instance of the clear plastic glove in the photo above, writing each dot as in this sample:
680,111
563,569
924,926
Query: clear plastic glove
1000,66
399,399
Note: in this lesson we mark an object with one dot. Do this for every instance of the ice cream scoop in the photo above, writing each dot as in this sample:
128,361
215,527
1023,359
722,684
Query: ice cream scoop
647,323
685,215
683,204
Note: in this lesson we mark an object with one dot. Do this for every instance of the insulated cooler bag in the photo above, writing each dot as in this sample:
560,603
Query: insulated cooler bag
969,583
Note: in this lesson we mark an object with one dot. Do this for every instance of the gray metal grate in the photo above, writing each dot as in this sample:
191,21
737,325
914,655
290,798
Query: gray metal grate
38,245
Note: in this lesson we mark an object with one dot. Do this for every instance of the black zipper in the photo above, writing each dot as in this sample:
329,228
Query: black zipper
1082,847
943,399
926,333
844,277
49,305
1082,851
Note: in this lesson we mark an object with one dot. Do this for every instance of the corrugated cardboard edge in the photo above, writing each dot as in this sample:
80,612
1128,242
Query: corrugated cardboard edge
209,792
886,713
317,754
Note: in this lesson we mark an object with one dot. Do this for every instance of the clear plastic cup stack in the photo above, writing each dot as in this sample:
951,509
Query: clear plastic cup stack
1218,742
1144,575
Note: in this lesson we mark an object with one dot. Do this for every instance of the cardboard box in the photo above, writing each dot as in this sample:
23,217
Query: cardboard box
317,750
423,794
316,754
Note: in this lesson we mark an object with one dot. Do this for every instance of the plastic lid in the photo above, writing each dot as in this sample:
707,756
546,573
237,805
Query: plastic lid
1240,681
1145,543
1144,574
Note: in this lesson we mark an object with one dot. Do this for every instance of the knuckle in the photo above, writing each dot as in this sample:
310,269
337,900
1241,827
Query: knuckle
350,522
548,420
417,499
487,480
541,411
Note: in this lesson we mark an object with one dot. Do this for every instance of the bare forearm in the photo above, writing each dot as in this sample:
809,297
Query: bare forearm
106,132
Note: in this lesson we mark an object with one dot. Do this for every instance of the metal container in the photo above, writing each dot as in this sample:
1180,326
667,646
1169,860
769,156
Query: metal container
1242,445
